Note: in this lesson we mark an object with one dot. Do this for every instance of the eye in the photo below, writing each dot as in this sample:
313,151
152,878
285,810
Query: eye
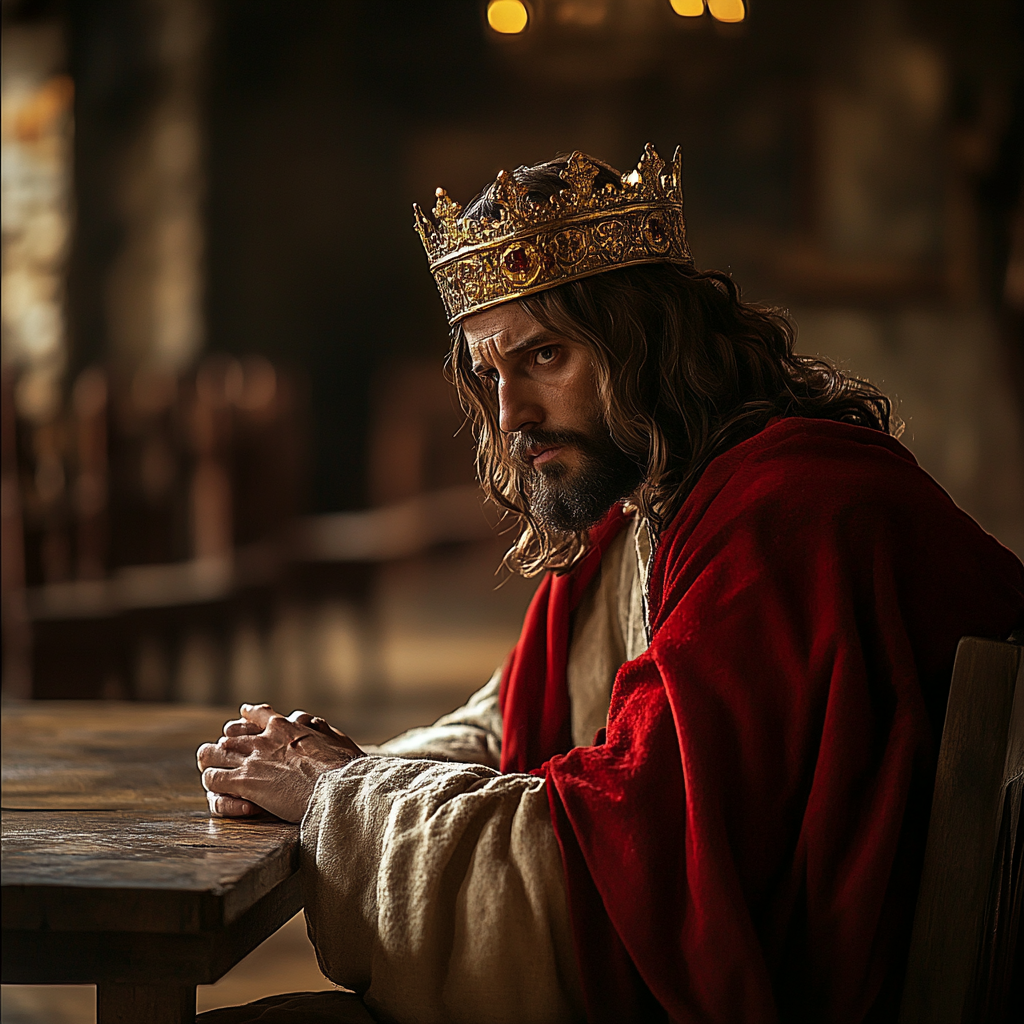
489,378
546,355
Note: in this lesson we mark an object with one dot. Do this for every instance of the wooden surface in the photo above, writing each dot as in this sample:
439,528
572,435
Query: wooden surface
105,755
114,873
172,872
977,749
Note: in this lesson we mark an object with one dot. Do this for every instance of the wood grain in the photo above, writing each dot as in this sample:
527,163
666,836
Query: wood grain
44,957
169,872
113,871
958,860
96,755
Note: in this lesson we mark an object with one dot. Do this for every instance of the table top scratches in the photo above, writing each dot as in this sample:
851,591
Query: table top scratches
105,826
105,755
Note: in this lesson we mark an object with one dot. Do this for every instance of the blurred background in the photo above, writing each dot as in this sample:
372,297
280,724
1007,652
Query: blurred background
232,468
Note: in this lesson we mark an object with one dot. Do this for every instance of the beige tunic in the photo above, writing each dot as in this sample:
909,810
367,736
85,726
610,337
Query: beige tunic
433,883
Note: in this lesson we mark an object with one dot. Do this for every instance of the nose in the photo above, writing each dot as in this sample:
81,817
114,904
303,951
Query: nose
517,406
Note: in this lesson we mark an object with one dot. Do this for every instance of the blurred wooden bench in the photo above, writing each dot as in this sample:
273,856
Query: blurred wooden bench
85,633
965,959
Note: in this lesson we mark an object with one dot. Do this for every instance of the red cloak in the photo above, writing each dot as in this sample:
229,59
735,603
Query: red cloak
744,842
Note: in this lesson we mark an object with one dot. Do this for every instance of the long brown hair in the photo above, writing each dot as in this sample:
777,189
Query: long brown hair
685,370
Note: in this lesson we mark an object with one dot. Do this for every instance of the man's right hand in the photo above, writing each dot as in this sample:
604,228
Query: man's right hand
243,727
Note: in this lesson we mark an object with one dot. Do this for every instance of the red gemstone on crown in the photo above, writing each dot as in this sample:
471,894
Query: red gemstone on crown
517,261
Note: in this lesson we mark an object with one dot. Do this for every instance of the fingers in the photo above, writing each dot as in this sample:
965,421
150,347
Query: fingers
259,714
227,752
221,780
240,727
245,727
224,805
336,736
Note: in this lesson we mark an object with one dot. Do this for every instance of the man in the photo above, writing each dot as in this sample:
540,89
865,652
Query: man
698,788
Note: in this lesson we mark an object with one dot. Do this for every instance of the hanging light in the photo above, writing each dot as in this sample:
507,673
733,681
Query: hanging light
509,17
687,8
729,11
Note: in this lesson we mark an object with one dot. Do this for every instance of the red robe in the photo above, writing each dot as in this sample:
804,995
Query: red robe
744,842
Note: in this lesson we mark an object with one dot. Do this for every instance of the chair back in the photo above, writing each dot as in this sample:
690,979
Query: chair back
965,964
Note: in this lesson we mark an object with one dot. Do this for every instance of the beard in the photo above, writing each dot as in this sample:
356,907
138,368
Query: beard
570,499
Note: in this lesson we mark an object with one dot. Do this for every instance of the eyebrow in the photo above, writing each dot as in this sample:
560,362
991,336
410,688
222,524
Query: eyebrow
529,342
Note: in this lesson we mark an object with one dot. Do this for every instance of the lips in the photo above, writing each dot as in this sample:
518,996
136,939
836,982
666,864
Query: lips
533,450
540,455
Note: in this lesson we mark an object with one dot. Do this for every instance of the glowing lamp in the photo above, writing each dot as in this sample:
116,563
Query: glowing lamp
509,17
688,8
729,11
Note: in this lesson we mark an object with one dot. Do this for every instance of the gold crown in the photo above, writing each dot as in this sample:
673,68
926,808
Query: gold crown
533,246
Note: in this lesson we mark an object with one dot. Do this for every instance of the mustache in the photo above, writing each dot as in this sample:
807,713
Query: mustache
520,443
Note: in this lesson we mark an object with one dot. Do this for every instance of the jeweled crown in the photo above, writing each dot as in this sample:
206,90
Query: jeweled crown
533,246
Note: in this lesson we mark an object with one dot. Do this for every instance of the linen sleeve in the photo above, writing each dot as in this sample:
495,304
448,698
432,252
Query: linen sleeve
470,734
436,891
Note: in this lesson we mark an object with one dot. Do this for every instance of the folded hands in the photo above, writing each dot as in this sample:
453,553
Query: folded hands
269,761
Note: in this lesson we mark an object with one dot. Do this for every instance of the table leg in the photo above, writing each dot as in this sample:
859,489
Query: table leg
145,1004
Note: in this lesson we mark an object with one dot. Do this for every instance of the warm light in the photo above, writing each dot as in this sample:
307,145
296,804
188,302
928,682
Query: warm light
688,8
729,11
509,16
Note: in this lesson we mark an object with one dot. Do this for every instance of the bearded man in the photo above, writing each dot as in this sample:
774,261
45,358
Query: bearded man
698,788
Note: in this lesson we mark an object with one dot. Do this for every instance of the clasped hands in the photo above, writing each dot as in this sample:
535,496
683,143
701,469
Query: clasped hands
269,761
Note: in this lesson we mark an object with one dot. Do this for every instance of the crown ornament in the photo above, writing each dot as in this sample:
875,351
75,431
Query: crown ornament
580,231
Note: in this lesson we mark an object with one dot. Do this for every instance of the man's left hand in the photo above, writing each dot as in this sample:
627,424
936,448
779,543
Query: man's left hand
269,761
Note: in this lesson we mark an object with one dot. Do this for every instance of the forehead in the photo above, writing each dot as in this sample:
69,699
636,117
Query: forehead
500,329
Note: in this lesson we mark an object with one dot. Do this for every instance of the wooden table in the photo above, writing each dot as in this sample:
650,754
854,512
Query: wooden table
113,872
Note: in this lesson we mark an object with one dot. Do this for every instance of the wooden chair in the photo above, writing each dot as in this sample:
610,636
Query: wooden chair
965,961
